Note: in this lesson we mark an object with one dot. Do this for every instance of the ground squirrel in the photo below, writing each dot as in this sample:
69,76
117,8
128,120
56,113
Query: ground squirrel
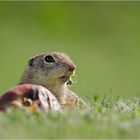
53,70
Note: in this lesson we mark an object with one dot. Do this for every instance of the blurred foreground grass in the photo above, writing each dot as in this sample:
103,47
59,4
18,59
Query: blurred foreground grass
105,118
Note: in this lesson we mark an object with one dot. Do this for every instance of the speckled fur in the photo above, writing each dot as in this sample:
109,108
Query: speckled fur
49,75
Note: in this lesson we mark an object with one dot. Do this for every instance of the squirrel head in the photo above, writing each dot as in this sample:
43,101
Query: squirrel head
49,69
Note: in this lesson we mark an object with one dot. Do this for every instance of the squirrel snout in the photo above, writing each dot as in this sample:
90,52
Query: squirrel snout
71,68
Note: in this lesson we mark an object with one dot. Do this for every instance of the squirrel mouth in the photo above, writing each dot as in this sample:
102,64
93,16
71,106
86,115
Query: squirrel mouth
64,78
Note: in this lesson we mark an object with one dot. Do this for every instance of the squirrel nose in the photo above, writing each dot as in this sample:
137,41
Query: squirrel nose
72,68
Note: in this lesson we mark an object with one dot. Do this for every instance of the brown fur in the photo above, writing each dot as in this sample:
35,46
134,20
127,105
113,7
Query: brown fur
54,76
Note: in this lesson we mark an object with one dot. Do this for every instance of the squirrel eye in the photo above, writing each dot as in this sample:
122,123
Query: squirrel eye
49,59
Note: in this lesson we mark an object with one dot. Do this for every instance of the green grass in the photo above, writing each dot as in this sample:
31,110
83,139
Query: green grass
102,38
106,117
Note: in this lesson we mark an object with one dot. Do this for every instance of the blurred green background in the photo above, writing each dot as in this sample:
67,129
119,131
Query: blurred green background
103,38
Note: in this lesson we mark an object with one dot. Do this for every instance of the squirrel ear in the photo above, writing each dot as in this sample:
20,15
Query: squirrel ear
30,62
